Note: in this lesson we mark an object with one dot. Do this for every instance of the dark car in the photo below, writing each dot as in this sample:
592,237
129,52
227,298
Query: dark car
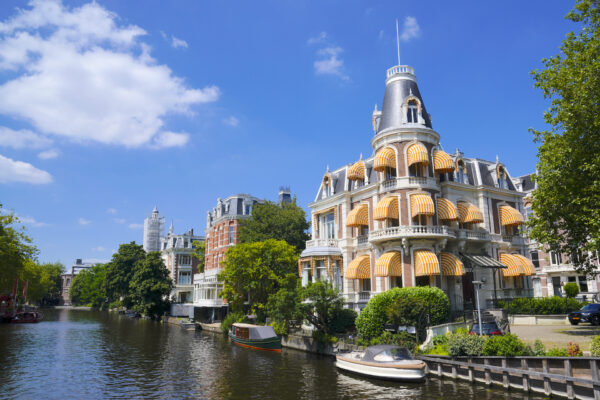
487,328
588,313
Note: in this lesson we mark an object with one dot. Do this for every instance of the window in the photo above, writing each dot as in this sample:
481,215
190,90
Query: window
502,179
247,209
230,234
583,286
329,224
411,115
390,222
461,172
184,259
363,230
395,281
555,258
390,173
535,259
185,278
416,170
68,282
365,285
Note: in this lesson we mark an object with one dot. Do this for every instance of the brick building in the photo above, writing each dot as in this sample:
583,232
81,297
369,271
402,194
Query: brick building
67,279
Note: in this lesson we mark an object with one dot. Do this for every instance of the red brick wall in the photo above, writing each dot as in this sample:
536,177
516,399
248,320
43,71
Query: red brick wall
218,240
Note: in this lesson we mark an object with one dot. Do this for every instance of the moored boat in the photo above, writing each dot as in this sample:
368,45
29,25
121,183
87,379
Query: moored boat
255,337
383,362
26,317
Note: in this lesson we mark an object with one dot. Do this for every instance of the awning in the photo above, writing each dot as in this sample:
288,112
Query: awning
357,171
451,265
417,153
359,268
421,204
426,263
386,208
510,216
515,268
528,266
446,210
358,216
442,162
468,213
385,158
389,264
481,261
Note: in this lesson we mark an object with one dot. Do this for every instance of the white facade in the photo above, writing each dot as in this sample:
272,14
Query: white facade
154,228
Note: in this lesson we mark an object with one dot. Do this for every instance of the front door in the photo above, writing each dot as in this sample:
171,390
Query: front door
467,284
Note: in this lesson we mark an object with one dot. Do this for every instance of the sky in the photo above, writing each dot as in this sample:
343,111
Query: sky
110,108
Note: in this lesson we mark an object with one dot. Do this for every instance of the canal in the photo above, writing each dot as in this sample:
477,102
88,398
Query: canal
75,354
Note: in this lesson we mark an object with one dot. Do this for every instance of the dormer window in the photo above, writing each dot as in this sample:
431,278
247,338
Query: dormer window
411,112
502,178
461,172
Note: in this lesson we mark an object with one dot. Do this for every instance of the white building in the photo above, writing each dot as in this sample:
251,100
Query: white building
154,228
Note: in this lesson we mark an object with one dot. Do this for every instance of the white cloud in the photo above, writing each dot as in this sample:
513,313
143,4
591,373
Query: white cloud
119,220
320,38
136,226
32,221
331,64
231,121
83,221
78,74
48,154
21,139
19,171
170,139
410,29
98,249
111,211
176,43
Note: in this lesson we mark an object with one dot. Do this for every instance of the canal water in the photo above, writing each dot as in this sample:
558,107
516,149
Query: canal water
78,354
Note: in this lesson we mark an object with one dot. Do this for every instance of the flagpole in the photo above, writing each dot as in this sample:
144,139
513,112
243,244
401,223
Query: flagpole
398,41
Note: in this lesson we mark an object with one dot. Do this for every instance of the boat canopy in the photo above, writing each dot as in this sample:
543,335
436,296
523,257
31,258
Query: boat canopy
386,353
258,331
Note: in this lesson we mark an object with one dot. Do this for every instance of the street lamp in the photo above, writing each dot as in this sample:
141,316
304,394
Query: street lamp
478,285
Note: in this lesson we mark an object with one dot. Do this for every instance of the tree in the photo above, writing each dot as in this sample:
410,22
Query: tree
15,249
571,289
198,253
254,271
285,221
120,270
566,201
321,302
43,282
87,287
283,306
151,285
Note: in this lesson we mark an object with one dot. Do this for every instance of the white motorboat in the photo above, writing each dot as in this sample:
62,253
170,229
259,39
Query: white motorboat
383,362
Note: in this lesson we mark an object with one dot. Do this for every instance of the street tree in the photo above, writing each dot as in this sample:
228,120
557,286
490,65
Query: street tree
15,249
43,282
198,252
566,202
87,287
150,286
120,270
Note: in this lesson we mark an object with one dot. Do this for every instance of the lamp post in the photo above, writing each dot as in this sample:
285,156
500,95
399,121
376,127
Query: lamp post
478,285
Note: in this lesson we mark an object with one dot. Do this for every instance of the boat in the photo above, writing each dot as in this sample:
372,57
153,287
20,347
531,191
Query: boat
383,362
26,317
255,337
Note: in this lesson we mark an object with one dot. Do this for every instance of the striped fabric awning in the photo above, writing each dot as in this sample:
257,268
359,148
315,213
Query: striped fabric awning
385,158
359,268
442,162
416,153
451,265
421,204
386,208
528,266
426,263
357,171
358,216
389,264
446,210
510,216
515,268
468,213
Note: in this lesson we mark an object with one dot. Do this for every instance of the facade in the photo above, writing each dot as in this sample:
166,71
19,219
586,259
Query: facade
67,279
412,214
553,270
154,231
176,252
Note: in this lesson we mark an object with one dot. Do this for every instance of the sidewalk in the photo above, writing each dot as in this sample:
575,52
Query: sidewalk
557,335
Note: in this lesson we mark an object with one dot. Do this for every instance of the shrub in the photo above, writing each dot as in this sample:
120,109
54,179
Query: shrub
542,306
571,289
398,305
462,344
402,339
557,353
595,346
343,321
230,319
573,350
324,338
508,345
538,348
440,340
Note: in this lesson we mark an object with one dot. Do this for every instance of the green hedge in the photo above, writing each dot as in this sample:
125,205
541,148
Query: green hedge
595,346
507,345
541,306
460,343
343,321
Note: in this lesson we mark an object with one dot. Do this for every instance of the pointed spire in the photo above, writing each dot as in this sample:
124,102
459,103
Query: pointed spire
327,167
497,159
360,159
171,227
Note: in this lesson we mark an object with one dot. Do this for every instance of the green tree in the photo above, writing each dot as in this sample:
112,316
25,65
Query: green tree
151,285
321,302
87,287
254,271
15,249
567,215
120,270
285,221
283,306
571,289
43,282
198,253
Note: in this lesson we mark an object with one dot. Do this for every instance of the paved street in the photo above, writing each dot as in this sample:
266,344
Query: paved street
557,335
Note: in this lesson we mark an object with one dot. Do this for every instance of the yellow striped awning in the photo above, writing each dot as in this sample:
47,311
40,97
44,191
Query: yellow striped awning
442,162
446,210
426,263
451,265
515,268
385,158
357,171
359,268
417,153
389,264
510,216
421,204
358,216
468,213
386,208
528,266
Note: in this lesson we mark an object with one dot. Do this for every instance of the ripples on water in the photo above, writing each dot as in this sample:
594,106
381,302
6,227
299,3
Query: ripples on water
94,355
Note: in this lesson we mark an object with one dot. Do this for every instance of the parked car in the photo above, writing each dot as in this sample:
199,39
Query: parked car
487,328
588,313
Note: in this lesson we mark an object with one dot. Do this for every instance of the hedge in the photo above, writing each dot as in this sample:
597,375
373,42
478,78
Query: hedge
507,345
595,346
541,306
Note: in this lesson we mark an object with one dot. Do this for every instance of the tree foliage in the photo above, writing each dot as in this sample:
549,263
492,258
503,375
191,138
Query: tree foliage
321,303
87,287
198,253
150,285
15,249
566,201
571,289
43,282
285,221
120,270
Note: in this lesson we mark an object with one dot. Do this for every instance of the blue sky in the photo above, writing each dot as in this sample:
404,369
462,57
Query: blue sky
112,107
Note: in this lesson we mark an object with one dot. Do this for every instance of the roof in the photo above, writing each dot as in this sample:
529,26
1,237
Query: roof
321,251
481,261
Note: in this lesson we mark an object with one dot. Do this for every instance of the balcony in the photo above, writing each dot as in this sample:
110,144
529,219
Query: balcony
472,235
361,241
412,231
322,243
508,239
358,297
417,182
209,303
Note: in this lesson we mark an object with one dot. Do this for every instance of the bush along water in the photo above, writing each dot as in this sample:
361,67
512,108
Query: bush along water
460,343
506,345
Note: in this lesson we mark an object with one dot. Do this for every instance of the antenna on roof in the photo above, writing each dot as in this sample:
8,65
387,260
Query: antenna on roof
398,41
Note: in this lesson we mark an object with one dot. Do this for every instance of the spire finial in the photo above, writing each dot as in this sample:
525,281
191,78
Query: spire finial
398,41
497,159
171,227
360,157
327,167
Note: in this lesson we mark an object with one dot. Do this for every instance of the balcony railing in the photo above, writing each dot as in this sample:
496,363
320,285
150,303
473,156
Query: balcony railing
322,243
397,232
410,182
400,69
472,235
515,240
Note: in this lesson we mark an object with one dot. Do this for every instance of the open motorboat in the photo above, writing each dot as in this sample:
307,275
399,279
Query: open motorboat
383,362
255,337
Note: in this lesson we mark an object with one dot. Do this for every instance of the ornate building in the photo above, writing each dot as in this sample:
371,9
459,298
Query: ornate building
412,214
154,231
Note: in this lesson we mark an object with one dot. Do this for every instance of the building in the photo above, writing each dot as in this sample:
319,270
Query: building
154,231
176,252
412,214
553,269
67,279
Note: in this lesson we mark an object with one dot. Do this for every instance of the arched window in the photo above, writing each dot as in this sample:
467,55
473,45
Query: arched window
411,112
502,178
461,172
